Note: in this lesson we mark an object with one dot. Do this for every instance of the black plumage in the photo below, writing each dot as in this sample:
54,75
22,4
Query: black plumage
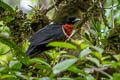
48,34
51,32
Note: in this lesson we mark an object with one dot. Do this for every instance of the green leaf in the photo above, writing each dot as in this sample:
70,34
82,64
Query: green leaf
43,67
62,45
90,77
62,66
68,56
19,74
116,76
9,19
76,70
6,6
65,79
11,44
83,46
87,36
85,52
93,32
98,55
94,60
44,78
8,76
24,60
2,69
15,65
38,60
100,50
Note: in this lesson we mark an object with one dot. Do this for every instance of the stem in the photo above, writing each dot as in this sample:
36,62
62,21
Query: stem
113,26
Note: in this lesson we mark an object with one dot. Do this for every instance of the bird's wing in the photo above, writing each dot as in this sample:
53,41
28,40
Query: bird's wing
49,33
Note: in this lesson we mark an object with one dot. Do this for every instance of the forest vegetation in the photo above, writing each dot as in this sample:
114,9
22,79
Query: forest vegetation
92,52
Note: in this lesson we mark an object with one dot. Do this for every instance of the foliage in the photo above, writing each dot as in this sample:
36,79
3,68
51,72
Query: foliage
94,56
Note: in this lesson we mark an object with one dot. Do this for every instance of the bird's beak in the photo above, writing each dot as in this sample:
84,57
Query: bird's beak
76,20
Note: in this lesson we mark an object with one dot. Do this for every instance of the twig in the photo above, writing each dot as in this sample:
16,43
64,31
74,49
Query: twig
113,14
101,70
103,14
32,7
56,4
111,7
70,37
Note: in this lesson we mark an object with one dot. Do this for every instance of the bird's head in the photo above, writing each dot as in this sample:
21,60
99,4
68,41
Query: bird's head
68,24
70,20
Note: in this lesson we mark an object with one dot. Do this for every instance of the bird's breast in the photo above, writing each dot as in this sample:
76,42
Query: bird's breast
68,29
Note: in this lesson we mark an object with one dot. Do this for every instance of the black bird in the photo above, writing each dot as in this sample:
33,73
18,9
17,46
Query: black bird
50,33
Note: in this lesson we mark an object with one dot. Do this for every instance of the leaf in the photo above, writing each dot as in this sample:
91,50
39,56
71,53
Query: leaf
62,45
11,44
24,60
68,56
9,19
45,78
8,76
90,77
98,55
116,76
85,52
15,65
87,36
62,66
65,79
6,6
94,60
76,70
93,32
19,74
2,69
43,67
38,60
100,50
83,46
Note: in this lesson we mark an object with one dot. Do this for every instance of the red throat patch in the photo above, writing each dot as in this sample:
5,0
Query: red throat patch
68,29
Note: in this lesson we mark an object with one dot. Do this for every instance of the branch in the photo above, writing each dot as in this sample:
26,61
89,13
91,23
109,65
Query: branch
103,15
53,6
113,26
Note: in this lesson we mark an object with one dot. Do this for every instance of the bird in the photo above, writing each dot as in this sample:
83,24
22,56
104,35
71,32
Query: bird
50,33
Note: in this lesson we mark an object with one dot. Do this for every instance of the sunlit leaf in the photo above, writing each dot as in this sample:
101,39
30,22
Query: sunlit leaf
38,60
43,67
2,69
6,6
85,52
9,19
90,77
68,56
62,45
116,76
62,66
65,79
8,76
76,70
11,44
45,78
94,60
100,50
83,46
19,74
93,32
98,55
15,65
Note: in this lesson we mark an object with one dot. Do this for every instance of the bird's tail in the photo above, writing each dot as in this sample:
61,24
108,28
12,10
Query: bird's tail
30,50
